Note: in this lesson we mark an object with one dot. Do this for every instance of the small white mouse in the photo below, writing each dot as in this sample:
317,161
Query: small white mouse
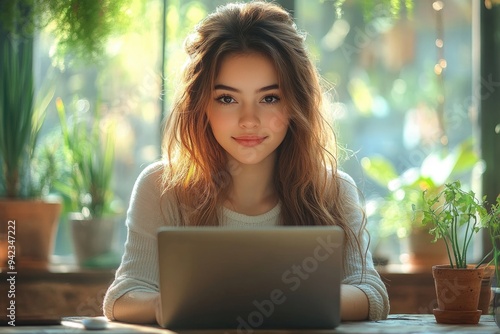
95,323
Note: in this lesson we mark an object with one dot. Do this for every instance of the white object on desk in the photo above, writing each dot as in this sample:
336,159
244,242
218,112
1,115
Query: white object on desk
95,323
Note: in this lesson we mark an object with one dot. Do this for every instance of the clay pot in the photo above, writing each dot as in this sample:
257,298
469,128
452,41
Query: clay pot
486,294
457,291
423,252
33,226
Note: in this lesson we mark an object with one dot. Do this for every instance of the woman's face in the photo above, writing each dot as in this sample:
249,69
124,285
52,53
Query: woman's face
247,112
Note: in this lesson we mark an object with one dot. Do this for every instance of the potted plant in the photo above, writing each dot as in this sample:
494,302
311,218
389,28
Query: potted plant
81,29
490,218
89,151
23,205
455,216
494,234
405,189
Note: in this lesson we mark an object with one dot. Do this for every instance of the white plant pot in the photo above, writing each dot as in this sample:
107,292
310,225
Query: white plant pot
92,238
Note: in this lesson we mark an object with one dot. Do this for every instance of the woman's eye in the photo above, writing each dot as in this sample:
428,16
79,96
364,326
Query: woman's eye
225,99
271,99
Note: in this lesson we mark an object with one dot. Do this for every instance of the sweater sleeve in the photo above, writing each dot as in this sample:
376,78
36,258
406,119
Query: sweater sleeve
369,281
139,266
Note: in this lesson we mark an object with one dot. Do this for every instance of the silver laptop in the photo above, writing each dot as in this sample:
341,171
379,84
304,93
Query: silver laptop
249,279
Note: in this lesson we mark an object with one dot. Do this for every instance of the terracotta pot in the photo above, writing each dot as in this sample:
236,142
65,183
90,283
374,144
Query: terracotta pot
32,226
457,292
486,294
423,252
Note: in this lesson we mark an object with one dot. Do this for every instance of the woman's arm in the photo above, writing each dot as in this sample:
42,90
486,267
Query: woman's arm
353,303
131,297
364,295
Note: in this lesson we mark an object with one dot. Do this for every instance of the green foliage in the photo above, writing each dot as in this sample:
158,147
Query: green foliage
88,184
81,27
19,123
17,17
21,117
455,216
405,189
492,221
47,165
372,8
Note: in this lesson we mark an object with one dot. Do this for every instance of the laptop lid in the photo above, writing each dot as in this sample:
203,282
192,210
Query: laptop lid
246,279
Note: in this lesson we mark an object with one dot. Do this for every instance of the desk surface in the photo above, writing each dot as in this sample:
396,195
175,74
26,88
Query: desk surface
396,323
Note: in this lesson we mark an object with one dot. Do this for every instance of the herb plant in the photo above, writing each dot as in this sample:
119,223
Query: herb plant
493,225
455,216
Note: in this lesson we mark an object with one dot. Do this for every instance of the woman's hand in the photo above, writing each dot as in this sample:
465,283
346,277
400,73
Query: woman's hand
138,307
158,310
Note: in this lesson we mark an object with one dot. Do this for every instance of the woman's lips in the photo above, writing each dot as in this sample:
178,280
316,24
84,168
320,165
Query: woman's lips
249,141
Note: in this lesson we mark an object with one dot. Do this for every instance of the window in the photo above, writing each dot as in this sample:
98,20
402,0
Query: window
126,86
401,90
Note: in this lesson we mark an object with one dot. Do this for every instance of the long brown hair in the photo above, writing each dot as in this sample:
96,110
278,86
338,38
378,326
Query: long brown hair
306,179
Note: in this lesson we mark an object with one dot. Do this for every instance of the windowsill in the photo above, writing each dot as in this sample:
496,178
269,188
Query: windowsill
62,269
404,269
63,288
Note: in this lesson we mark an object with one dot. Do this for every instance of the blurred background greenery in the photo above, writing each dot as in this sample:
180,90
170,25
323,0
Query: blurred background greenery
402,86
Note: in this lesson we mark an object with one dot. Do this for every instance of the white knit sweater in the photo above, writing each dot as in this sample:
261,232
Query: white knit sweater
149,210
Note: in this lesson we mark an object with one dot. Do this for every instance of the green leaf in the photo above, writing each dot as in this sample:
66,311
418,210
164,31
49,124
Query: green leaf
92,159
19,125
466,157
379,169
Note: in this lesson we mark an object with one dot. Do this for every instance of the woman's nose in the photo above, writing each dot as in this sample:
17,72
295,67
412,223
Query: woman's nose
249,117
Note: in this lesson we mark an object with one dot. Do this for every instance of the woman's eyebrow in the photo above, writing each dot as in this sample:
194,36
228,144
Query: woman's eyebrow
236,90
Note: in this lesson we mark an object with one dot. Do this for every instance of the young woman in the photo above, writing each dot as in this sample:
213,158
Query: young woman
245,146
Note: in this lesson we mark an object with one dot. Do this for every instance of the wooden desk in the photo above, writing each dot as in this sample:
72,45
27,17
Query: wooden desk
397,323
66,290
